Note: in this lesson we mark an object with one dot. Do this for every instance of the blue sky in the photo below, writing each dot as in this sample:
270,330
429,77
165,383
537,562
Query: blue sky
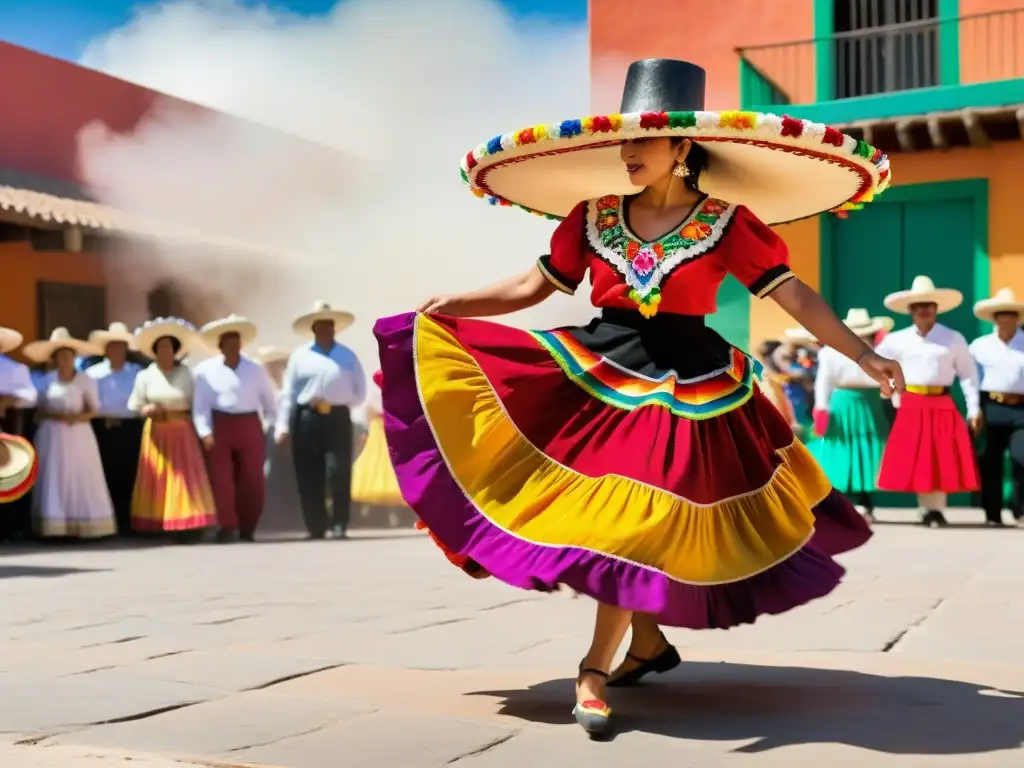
63,27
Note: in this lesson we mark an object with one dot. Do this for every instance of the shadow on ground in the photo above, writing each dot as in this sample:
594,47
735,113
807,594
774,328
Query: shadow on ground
40,571
784,706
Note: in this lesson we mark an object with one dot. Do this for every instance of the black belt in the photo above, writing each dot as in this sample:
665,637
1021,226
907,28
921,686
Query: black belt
238,415
112,422
325,409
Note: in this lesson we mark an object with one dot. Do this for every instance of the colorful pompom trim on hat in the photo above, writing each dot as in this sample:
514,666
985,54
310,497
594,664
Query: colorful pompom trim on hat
749,126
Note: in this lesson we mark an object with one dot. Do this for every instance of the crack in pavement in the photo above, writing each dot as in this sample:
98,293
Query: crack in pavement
296,676
145,714
129,639
229,620
297,734
432,624
492,744
898,638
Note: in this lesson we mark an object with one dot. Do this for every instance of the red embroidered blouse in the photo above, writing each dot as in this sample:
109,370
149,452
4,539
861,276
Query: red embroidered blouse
679,272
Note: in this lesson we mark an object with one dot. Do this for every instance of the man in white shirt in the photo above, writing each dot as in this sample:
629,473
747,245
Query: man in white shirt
233,396
323,382
1000,358
18,397
118,429
930,451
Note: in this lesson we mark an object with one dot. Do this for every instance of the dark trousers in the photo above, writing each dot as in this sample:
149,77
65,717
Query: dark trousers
236,470
322,451
120,442
16,516
1004,430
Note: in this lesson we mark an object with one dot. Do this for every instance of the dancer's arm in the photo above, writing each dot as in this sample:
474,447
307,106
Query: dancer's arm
509,295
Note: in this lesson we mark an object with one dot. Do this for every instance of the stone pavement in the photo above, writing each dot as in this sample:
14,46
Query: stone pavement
375,652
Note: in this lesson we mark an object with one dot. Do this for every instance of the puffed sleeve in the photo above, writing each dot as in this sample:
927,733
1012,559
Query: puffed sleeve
755,255
566,265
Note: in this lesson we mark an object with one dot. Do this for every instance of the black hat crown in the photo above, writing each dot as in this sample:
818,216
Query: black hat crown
663,85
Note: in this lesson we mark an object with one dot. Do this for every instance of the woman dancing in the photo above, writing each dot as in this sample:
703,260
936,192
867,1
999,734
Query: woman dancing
635,459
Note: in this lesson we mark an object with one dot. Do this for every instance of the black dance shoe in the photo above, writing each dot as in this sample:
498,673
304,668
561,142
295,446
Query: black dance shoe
666,660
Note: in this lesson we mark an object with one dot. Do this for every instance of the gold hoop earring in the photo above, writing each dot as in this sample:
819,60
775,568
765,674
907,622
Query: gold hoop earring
682,170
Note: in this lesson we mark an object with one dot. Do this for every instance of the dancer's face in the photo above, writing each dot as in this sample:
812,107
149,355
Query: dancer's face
924,314
650,161
1007,323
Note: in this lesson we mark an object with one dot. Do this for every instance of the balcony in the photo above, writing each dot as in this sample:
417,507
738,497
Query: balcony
933,69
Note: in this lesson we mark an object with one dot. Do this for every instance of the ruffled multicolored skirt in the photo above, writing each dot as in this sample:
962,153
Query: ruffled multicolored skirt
634,460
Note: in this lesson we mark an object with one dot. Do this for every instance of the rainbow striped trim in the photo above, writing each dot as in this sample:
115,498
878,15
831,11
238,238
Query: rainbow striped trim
778,132
613,385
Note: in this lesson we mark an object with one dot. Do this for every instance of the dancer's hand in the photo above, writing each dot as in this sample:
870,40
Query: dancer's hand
208,442
439,304
976,424
281,439
886,372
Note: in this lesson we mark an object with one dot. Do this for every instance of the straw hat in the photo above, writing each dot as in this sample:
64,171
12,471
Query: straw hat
780,167
1004,300
800,335
923,291
243,326
18,467
10,340
41,351
303,324
147,334
267,355
116,332
860,322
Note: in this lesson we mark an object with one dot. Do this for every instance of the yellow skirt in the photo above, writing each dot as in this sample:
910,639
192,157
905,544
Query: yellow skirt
172,491
373,477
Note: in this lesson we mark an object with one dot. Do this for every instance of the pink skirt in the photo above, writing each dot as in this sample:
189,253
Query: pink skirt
929,449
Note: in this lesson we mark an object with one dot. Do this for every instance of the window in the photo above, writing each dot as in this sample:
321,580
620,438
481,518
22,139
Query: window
81,309
881,46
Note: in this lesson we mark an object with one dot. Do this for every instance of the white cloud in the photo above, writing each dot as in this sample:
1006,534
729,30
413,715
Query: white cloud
403,88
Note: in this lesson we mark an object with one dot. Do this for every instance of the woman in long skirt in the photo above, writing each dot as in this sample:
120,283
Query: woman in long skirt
71,497
373,478
172,490
849,418
634,459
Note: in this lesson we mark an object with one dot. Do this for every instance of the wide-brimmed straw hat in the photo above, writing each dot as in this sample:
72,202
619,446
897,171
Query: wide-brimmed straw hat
147,334
780,167
42,350
923,291
116,332
303,324
863,324
799,335
243,326
1004,300
10,340
18,470
267,355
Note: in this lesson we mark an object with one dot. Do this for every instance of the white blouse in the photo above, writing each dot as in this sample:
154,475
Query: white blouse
79,395
171,390
1001,364
837,371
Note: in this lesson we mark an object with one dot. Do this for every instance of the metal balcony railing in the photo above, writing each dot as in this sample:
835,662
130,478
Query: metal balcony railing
979,48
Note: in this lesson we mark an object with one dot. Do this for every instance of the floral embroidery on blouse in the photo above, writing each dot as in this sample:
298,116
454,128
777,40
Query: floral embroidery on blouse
645,265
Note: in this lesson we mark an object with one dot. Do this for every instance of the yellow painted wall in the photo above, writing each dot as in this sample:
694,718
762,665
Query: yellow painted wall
1000,164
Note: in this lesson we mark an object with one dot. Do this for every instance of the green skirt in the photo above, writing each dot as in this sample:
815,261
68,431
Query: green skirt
851,450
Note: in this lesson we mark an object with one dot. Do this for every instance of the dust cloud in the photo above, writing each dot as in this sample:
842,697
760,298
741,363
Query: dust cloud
370,215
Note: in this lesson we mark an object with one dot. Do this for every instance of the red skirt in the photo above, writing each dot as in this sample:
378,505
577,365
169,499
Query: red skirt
929,449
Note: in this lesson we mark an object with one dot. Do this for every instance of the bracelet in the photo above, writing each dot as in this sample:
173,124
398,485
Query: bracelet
867,351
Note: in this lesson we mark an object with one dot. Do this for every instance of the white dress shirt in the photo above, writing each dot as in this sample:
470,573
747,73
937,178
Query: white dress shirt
115,388
934,360
16,381
837,371
1001,363
172,390
245,388
336,376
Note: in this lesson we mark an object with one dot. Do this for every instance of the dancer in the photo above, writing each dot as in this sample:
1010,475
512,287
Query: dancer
634,459
172,491
233,398
118,430
848,416
1000,357
323,382
929,450
72,499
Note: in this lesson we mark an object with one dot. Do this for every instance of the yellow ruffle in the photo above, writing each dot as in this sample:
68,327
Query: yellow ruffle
373,477
521,490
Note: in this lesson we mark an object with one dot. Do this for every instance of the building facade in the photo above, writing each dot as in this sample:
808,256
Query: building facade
936,84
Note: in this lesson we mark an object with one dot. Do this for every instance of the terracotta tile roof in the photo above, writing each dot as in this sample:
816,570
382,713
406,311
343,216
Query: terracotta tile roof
62,203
